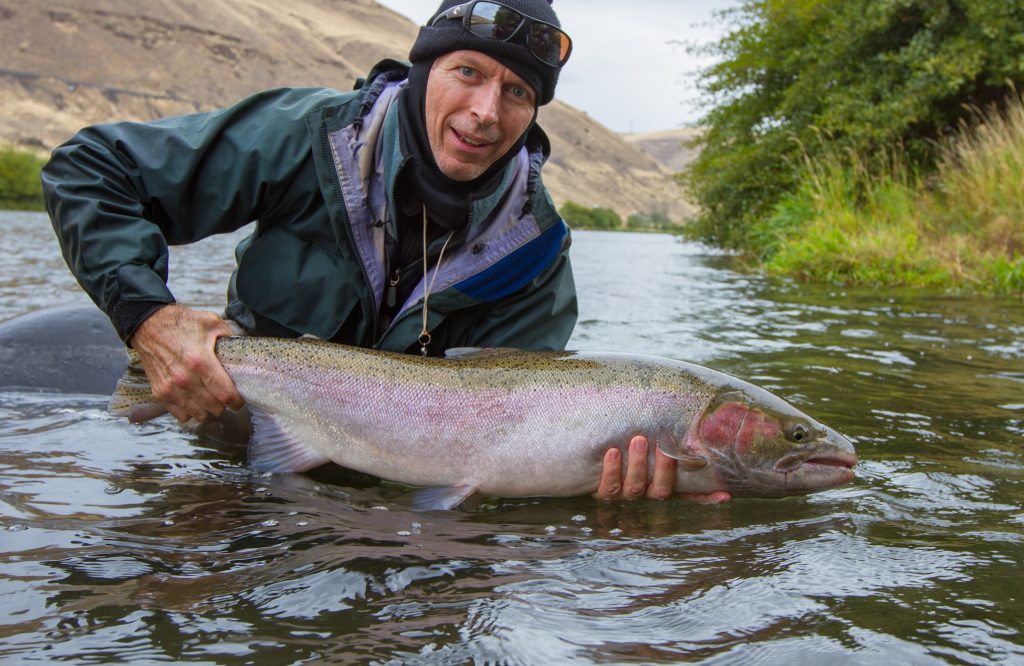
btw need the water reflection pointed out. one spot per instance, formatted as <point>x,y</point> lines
<point>144,543</point>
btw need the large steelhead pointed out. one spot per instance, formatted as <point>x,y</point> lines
<point>517,423</point>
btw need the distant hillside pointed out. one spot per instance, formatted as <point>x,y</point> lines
<point>70,63</point>
<point>670,147</point>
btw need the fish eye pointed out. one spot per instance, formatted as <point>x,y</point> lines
<point>799,433</point>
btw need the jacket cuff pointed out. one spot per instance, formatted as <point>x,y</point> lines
<point>127,316</point>
<point>141,291</point>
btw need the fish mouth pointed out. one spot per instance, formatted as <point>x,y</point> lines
<point>831,459</point>
<point>817,471</point>
<point>839,459</point>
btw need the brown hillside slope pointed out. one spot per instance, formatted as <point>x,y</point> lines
<point>670,147</point>
<point>70,63</point>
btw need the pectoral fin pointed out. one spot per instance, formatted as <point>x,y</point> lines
<point>442,498</point>
<point>688,460</point>
<point>274,448</point>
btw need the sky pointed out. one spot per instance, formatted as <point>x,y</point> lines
<point>625,46</point>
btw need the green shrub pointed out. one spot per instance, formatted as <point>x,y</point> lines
<point>20,187</point>
<point>581,217</point>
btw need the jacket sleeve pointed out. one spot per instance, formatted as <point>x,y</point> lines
<point>118,194</point>
<point>540,316</point>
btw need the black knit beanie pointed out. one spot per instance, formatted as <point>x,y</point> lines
<point>449,35</point>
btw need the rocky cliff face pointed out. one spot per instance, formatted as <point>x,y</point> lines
<point>70,63</point>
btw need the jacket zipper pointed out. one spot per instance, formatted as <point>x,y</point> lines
<point>336,183</point>
<point>392,293</point>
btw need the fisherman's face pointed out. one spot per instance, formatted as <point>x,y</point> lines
<point>476,109</point>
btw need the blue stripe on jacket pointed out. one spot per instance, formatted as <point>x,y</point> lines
<point>515,271</point>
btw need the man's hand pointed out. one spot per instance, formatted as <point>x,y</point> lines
<point>634,485</point>
<point>176,344</point>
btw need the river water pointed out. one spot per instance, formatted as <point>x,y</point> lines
<point>143,544</point>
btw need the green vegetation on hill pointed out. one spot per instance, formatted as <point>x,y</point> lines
<point>839,142</point>
<point>606,219</point>
<point>20,187</point>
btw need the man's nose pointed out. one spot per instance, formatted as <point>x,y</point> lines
<point>485,101</point>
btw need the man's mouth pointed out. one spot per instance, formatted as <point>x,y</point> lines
<point>471,141</point>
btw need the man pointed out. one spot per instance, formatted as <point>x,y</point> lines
<point>408,215</point>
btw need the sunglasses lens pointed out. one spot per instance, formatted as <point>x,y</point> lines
<point>549,43</point>
<point>494,21</point>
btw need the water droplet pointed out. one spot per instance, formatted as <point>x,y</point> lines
<point>17,527</point>
<point>112,489</point>
<point>261,489</point>
<point>379,508</point>
<point>302,523</point>
<point>404,533</point>
<point>615,531</point>
<point>586,530</point>
<point>168,522</point>
<point>269,523</point>
<point>550,529</point>
<point>293,513</point>
<point>579,518</point>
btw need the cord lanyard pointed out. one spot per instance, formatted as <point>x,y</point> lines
<point>424,338</point>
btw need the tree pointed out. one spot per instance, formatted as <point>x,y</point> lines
<point>796,77</point>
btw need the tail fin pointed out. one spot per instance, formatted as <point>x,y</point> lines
<point>133,396</point>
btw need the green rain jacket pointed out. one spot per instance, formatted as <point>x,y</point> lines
<point>315,169</point>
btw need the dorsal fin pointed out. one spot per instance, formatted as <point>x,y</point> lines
<point>479,352</point>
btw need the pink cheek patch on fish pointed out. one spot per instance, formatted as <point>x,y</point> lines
<point>757,427</point>
<point>719,428</point>
<point>736,426</point>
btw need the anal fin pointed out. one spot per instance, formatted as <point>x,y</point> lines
<point>441,498</point>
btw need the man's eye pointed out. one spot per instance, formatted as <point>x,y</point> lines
<point>518,91</point>
<point>468,71</point>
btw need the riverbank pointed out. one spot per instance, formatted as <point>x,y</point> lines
<point>878,222</point>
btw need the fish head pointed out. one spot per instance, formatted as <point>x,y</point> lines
<point>758,445</point>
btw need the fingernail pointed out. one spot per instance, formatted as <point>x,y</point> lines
<point>613,455</point>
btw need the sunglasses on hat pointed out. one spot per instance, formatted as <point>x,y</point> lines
<point>494,20</point>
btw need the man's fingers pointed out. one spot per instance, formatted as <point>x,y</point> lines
<point>635,484</point>
<point>664,481</point>
<point>611,475</point>
<point>178,350</point>
<point>221,389</point>
<point>217,380</point>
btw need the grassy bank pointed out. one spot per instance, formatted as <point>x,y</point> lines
<point>877,222</point>
<point>20,188</point>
